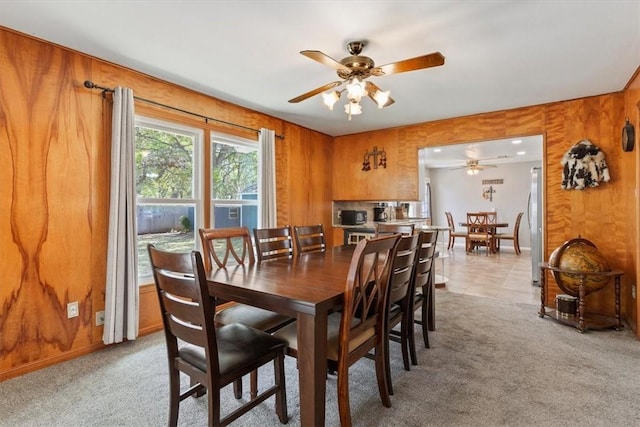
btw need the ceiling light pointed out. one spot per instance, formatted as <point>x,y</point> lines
<point>381,98</point>
<point>330,99</point>
<point>353,109</point>
<point>516,141</point>
<point>472,170</point>
<point>356,89</point>
<point>521,153</point>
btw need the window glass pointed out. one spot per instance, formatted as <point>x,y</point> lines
<point>167,183</point>
<point>234,182</point>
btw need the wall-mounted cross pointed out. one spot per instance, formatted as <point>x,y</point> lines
<point>488,193</point>
<point>366,164</point>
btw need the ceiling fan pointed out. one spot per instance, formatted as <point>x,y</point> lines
<point>473,166</point>
<point>355,69</point>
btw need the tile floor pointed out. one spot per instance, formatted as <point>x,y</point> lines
<point>504,276</point>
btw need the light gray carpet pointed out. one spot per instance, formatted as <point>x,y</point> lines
<point>490,363</point>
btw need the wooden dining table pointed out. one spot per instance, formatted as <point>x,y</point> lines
<point>308,288</point>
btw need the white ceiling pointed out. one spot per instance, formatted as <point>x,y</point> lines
<point>499,54</point>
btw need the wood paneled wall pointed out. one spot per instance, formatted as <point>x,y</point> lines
<point>54,191</point>
<point>606,215</point>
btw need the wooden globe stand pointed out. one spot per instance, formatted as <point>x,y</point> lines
<point>594,321</point>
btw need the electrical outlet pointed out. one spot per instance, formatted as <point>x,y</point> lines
<point>100,318</point>
<point>73,310</point>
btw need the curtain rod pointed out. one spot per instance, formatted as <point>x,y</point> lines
<point>90,85</point>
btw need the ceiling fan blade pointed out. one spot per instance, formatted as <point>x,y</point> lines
<point>371,92</point>
<point>418,63</point>
<point>322,58</point>
<point>315,92</point>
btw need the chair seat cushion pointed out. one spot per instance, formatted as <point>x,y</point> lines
<point>238,345</point>
<point>255,317</point>
<point>290,335</point>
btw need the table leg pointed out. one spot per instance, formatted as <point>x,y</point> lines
<point>617,289</point>
<point>312,367</point>
<point>542,292</point>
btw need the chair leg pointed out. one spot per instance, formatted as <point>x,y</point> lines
<point>425,323</point>
<point>381,375</point>
<point>343,395</point>
<point>253,380</point>
<point>237,388</point>
<point>174,397</point>
<point>452,241</point>
<point>281,395</point>
<point>214,407</point>
<point>516,246</point>
<point>412,340</point>
<point>404,341</point>
<point>387,362</point>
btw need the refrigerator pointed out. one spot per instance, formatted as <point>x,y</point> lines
<point>534,216</point>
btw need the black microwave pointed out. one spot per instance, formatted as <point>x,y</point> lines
<point>353,217</point>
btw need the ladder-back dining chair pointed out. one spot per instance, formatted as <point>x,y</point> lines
<point>360,326</point>
<point>211,357</point>
<point>423,284</point>
<point>511,236</point>
<point>272,243</point>
<point>383,228</point>
<point>452,230</point>
<point>309,238</point>
<point>479,232</point>
<point>230,247</point>
<point>399,307</point>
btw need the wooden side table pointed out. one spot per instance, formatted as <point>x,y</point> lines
<point>584,321</point>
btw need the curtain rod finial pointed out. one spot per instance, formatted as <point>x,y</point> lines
<point>89,84</point>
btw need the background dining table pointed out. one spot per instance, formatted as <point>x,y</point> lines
<point>307,287</point>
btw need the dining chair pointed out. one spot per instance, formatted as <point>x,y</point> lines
<point>309,238</point>
<point>360,326</point>
<point>399,306</point>
<point>513,236</point>
<point>212,357</point>
<point>478,232</point>
<point>423,285</point>
<point>383,228</point>
<point>452,230</point>
<point>273,243</point>
<point>224,247</point>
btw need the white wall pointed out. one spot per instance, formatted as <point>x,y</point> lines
<point>459,193</point>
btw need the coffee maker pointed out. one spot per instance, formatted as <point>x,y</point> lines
<point>380,213</point>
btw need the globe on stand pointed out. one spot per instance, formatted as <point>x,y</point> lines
<point>579,255</point>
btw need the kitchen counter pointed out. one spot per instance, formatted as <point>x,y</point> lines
<point>372,224</point>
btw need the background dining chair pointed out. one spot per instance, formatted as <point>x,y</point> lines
<point>360,326</point>
<point>273,243</point>
<point>232,246</point>
<point>423,285</point>
<point>309,238</point>
<point>212,357</point>
<point>399,307</point>
<point>384,228</point>
<point>514,236</point>
<point>452,230</point>
<point>478,232</point>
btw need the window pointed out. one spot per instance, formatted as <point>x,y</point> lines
<point>168,158</point>
<point>234,182</point>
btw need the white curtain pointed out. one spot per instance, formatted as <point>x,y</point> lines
<point>267,213</point>
<point>121,302</point>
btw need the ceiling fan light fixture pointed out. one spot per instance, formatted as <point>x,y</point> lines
<point>472,171</point>
<point>356,89</point>
<point>382,98</point>
<point>330,99</point>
